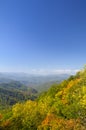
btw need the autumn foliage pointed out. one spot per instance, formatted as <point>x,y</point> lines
<point>62,107</point>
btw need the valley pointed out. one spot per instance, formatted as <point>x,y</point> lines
<point>61,107</point>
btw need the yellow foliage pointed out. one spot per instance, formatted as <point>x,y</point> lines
<point>66,90</point>
<point>54,123</point>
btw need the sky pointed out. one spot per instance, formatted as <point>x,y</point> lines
<point>42,35</point>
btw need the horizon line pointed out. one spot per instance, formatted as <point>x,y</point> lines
<point>45,71</point>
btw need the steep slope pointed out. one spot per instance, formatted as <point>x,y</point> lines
<point>62,107</point>
<point>13,92</point>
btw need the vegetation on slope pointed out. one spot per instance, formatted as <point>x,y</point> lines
<point>62,107</point>
<point>13,92</point>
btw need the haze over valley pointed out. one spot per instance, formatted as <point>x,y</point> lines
<point>42,65</point>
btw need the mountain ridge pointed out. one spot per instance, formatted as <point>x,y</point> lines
<point>62,107</point>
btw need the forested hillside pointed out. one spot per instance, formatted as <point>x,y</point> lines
<point>62,107</point>
<point>34,81</point>
<point>13,92</point>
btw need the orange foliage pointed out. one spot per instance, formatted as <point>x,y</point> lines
<point>6,123</point>
<point>55,123</point>
<point>1,116</point>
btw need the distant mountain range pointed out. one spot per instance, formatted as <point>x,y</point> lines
<point>32,80</point>
<point>17,87</point>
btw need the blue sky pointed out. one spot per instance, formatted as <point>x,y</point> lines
<point>42,35</point>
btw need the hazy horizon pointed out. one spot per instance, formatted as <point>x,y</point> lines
<point>45,72</point>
